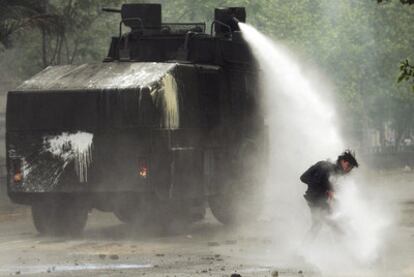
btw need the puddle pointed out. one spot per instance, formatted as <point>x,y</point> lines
<point>34,269</point>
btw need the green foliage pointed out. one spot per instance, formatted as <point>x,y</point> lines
<point>406,72</point>
<point>69,29</point>
<point>19,15</point>
<point>355,43</point>
<point>38,33</point>
<point>409,2</point>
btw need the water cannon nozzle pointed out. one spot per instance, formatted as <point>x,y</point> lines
<point>111,10</point>
<point>230,17</point>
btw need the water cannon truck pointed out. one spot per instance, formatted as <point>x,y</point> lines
<point>169,124</point>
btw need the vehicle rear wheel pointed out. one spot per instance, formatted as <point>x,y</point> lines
<point>239,190</point>
<point>136,209</point>
<point>147,211</point>
<point>235,207</point>
<point>61,216</point>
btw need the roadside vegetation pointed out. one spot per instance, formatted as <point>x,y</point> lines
<point>363,47</point>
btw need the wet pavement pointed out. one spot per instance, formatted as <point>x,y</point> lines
<point>206,248</point>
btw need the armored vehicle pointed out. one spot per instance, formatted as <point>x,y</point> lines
<point>167,125</point>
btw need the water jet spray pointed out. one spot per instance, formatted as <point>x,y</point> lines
<point>303,130</point>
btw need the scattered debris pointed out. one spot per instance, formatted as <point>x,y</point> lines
<point>114,257</point>
<point>213,243</point>
<point>230,242</point>
<point>208,258</point>
<point>267,241</point>
<point>407,168</point>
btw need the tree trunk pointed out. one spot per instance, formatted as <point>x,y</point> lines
<point>45,36</point>
<point>44,47</point>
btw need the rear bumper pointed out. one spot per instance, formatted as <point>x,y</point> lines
<point>175,160</point>
<point>77,161</point>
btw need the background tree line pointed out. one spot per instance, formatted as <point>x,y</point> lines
<point>358,45</point>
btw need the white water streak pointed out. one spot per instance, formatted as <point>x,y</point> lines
<point>293,100</point>
<point>303,130</point>
<point>172,119</point>
<point>69,147</point>
<point>168,101</point>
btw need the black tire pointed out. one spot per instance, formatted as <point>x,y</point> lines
<point>62,216</point>
<point>137,209</point>
<point>43,218</point>
<point>124,216</point>
<point>219,206</point>
<point>148,212</point>
<point>235,207</point>
<point>135,217</point>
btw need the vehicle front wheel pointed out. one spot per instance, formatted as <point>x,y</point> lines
<point>235,207</point>
<point>238,188</point>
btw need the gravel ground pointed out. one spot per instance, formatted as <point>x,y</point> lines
<point>206,248</point>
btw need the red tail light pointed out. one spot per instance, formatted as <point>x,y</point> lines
<point>17,170</point>
<point>143,168</point>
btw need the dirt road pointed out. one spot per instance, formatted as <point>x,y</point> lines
<point>207,248</point>
<point>110,248</point>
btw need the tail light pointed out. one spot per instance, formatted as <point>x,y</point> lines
<point>17,170</point>
<point>143,168</point>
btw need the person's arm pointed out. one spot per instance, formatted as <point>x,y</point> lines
<point>329,191</point>
<point>330,194</point>
<point>313,175</point>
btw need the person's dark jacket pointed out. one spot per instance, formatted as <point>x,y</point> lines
<point>317,178</point>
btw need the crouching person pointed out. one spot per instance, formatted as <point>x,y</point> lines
<point>320,192</point>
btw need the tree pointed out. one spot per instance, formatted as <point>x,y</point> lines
<point>65,26</point>
<point>407,72</point>
<point>406,69</point>
<point>409,2</point>
<point>75,31</point>
<point>35,34</point>
<point>20,15</point>
<point>355,43</point>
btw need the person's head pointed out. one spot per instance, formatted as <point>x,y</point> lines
<point>347,161</point>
